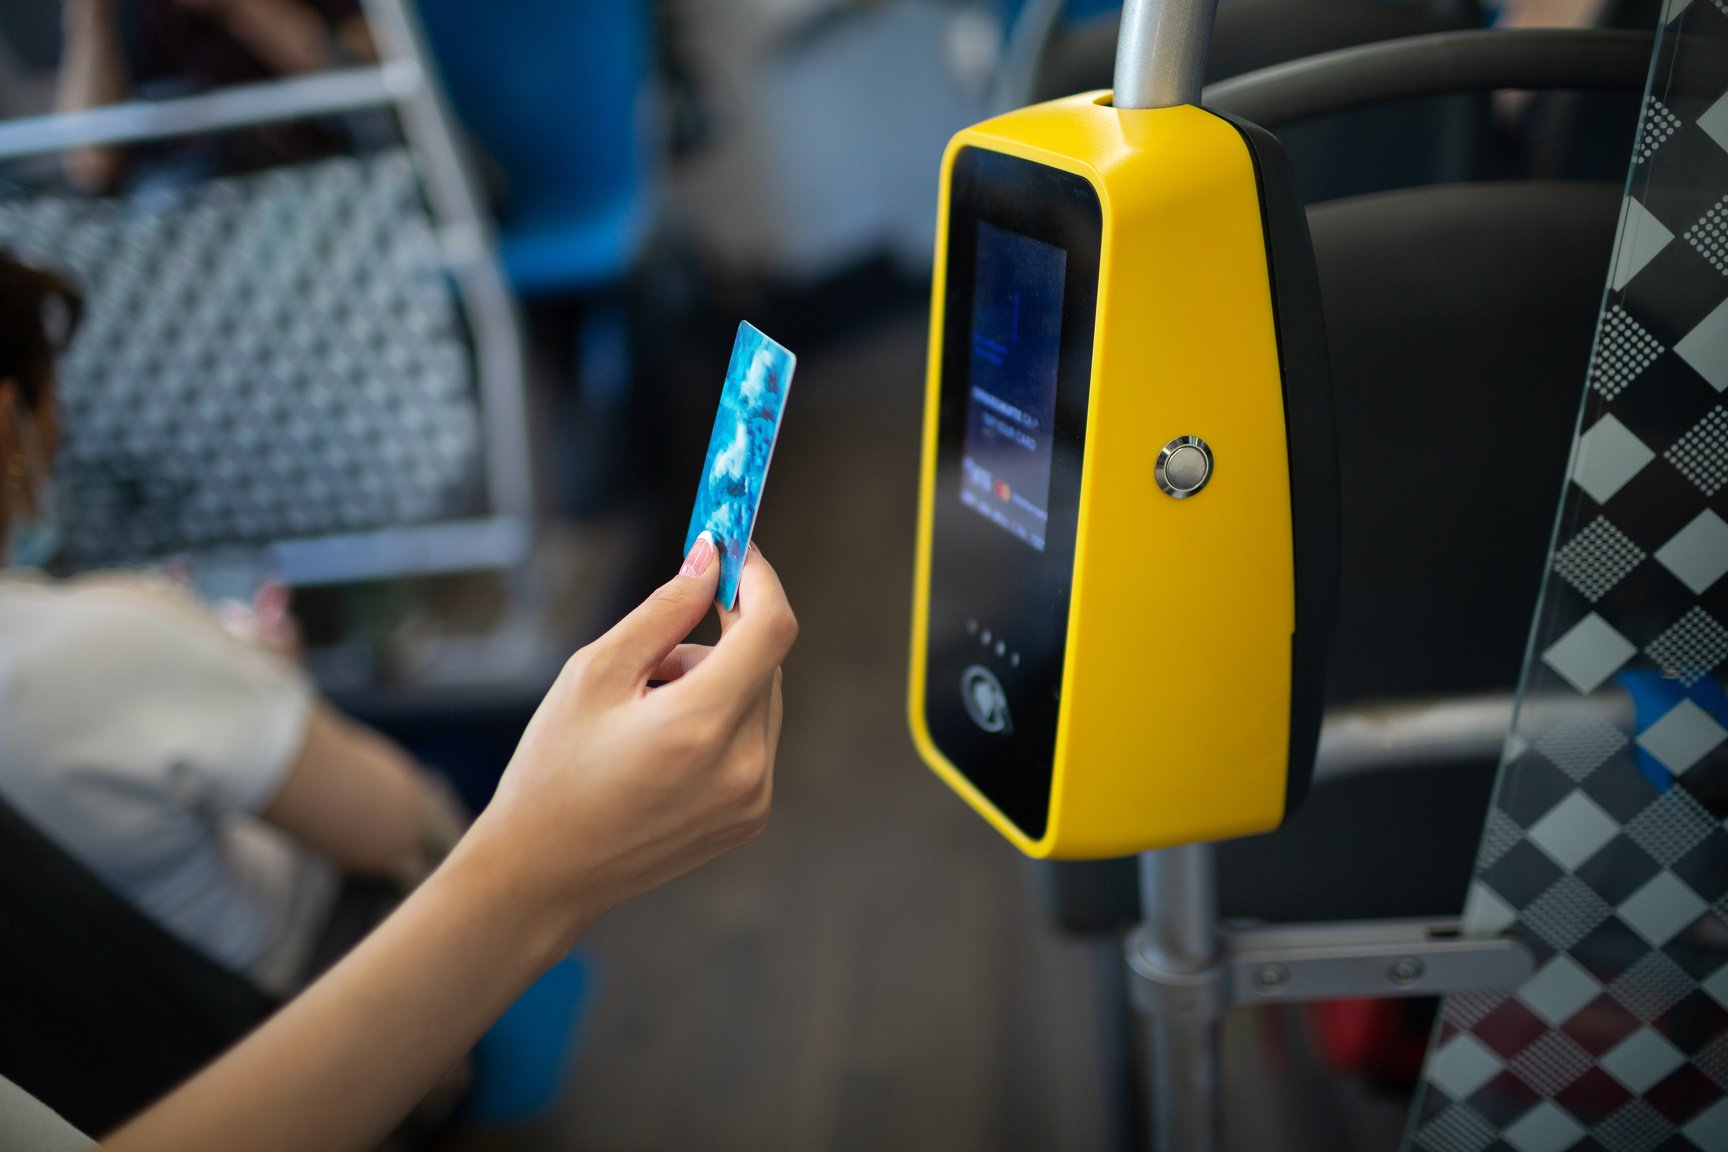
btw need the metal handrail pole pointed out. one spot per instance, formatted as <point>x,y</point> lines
<point>453,191</point>
<point>1412,732</point>
<point>1179,909</point>
<point>1161,52</point>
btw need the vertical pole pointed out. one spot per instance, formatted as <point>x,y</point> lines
<point>452,190</point>
<point>1161,55</point>
<point>1179,910</point>
<point>1161,52</point>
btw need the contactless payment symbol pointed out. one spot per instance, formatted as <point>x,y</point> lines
<point>986,702</point>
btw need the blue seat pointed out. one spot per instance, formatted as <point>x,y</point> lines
<point>556,93</point>
<point>1073,11</point>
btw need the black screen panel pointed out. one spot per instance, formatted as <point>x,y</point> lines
<point>1024,244</point>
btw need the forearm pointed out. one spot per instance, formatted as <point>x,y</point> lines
<point>93,66</point>
<point>290,38</point>
<point>338,1066</point>
<point>93,73</point>
<point>352,796</point>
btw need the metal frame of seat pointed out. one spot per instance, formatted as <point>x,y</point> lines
<point>401,82</point>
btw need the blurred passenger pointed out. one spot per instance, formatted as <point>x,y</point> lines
<point>116,50</point>
<point>197,773</point>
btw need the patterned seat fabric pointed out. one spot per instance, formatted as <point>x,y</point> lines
<point>264,357</point>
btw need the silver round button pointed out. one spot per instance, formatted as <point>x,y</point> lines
<point>1184,466</point>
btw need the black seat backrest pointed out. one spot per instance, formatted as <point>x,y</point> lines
<point>101,1009</point>
<point>1460,321</point>
<point>1433,140</point>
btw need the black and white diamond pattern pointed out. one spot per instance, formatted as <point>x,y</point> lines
<point>1658,125</point>
<point>1673,825</point>
<point>1691,649</point>
<point>1467,1008</point>
<point>1624,350</point>
<point>1552,1063</point>
<point>1577,746</point>
<point>1713,1062</point>
<point>1710,235</point>
<point>1636,1127</point>
<point>1605,847</point>
<point>1500,837</point>
<point>1457,1129</point>
<point>1566,913</point>
<point>1652,986</point>
<point>263,356</point>
<point>1597,558</point>
<point>1702,454</point>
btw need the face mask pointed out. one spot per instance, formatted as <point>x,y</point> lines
<point>36,535</point>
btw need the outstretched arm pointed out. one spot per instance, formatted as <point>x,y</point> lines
<point>614,790</point>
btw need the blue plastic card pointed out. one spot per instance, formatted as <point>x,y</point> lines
<point>745,429</point>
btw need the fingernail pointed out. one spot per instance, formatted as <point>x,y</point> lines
<point>272,601</point>
<point>701,555</point>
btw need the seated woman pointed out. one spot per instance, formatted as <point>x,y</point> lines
<point>117,50</point>
<point>200,775</point>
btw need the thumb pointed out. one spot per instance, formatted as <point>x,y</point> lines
<point>638,644</point>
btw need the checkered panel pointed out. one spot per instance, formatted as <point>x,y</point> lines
<point>1622,354</point>
<point>1606,847</point>
<point>1659,125</point>
<point>1597,558</point>
<point>264,356</point>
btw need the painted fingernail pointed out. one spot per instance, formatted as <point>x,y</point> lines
<point>701,555</point>
<point>272,601</point>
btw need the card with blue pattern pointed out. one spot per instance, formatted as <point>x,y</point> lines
<point>742,444</point>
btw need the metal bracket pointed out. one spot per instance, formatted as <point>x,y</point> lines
<point>1293,963</point>
<point>1173,994</point>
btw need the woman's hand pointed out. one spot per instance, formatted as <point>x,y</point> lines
<point>618,787</point>
<point>267,622</point>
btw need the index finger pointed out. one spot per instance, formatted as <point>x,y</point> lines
<point>754,638</point>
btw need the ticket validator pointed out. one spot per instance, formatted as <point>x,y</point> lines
<point>1127,539</point>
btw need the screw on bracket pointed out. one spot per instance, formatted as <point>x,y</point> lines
<point>1270,977</point>
<point>1405,971</point>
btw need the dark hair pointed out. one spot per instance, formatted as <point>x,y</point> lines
<point>39,311</point>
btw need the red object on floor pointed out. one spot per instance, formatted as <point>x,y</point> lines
<point>1384,1039</point>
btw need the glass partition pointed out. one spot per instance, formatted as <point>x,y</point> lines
<point>1605,846</point>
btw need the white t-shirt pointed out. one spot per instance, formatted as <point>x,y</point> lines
<point>28,1125</point>
<point>144,739</point>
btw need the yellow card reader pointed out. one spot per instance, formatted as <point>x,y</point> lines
<point>1127,536</point>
